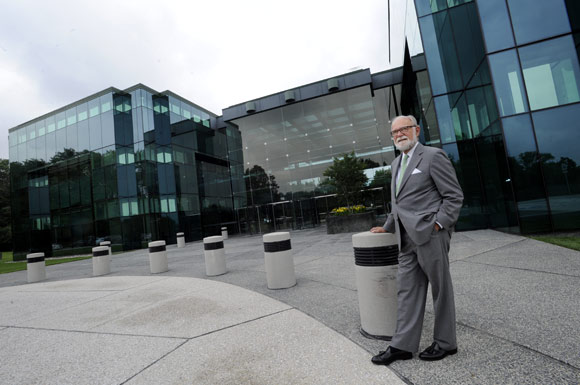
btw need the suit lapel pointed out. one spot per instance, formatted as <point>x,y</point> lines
<point>413,163</point>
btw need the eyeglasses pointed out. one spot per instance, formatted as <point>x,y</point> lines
<point>400,130</point>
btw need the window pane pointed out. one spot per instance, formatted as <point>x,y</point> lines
<point>71,116</point>
<point>535,20</point>
<point>453,117</point>
<point>440,53</point>
<point>551,73</point>
<point>525,173</point>
<point>495,23</point>
<point>561,162</point>
<point>509,87</point>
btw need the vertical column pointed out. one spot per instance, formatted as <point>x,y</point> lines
<point>215,255</point>
<point>158,257</point>
<point>279,261</point>
<point>101,260</point>
<point>36,267</point>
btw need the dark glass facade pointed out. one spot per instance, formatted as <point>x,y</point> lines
<point>505,81</point>
<point>126,166</point>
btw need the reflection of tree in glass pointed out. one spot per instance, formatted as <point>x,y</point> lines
<point>382,178</point>
<point>347,176</point>
<point>261,186</point>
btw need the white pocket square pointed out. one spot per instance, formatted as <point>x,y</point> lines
<point>416,171</point>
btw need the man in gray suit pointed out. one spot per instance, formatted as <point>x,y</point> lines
<point>426,200</point>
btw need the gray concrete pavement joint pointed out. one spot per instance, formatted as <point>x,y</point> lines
<point>518,345</point>
<point>95,333</point>
<point>155,361</point>
<point>487,251</point>
<point>520,268</point>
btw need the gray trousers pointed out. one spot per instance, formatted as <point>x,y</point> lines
<point>419,266</point>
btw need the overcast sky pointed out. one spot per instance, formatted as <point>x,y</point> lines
<point>215,53</point>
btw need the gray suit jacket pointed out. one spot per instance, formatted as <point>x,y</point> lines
<point>431,194</point>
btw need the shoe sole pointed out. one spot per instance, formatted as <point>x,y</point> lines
<point>449,353</point>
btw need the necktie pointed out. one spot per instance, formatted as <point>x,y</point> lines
<point>402,172</point>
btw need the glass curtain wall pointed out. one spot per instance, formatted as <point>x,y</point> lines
<point>118,166</point>
<point>286,151</point>
<point>466,112</point>
<point>533,58</point>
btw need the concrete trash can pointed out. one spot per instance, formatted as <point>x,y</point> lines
<point>279,261</point>
<point>35,267</point>
<point>157,257</point>
<point>101,260</point>
<point>215,255</point>
<point>108,244</point>
<point>225,233</point>
<point>376,265</point>
<point>180,240</point>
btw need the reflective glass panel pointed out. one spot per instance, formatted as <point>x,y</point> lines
<point>495,23</point>
<point>526,177</point>
<point>551,72</point>
<point>558,136</point>
<point>535,20</point>
<point>438,41</point>
<point>453,117</point>
<point>509,86</point>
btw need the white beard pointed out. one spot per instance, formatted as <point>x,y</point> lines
<point>407,144</point>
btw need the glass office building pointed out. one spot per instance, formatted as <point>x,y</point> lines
<point>127,166</point>
<point>494,83</point>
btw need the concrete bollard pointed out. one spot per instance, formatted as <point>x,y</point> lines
<point>108,244</point>
<point>157,257</point>
<point>215,256</point>
<point>180,240</point>
<point>101,260</point>
<point>35,267</point>
<point>376,260</point>
<point>225,233</point>
<point>279,261</point>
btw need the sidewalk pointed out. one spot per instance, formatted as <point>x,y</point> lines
<point>516,302</point>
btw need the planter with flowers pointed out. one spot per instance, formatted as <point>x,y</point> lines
<point>350,220</point>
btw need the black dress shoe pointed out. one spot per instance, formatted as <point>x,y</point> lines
<point>390,355</point>
<point>434,353</point>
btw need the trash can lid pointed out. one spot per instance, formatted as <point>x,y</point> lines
<point>214,239</point>
<point>368,239</point>
<point>34,255</point>
<point>180,234</point>
<point>156,243</point>
<point>105,243</point>
<point>276,237</point>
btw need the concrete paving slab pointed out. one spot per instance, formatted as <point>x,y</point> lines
<point>485,359</point>
<point>112,284</point>
<point>84,317</point>
<point>334,270</point>
<point>20,307</point>
<point>463,250</point>
<point>285,348</point>
<point>195,313</point>
<point>32,356</point>
<point>488,235</point>
<point>534,255</point>
<point>534,309</point>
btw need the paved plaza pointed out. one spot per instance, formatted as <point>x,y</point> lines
<point>516,299</point>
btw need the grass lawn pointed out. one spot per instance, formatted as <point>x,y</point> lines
<point>569,242</point>
<point>10,267</point>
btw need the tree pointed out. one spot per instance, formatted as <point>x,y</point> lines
<point>346,175</point>
<point>5,225</point>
